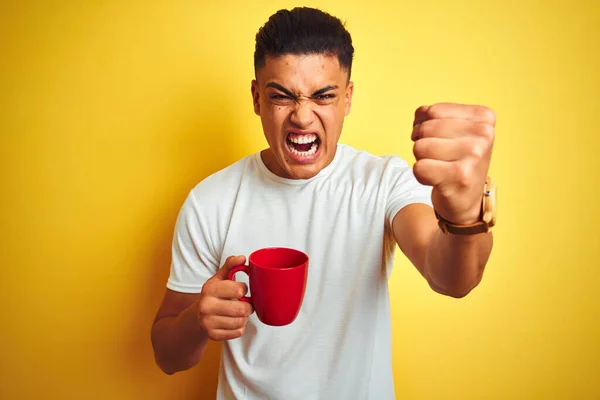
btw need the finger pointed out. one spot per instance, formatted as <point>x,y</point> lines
<point>226,308</point>
<point>230,262</point>
<point>226,323</point>
<point>433,172</point>
<point>224,334</point>
<point>225,289</point>
<point>452,110</point>
<point>450,128</point>
<point>449,149</point>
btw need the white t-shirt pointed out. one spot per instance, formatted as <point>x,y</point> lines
<point>339,346</point>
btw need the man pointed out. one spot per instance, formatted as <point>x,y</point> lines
<point>345,208</point>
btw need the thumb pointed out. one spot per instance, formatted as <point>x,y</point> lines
<point>230,262</point>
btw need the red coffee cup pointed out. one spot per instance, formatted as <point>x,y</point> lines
<point>277,282</point>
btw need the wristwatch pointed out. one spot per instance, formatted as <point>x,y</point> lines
<point>487,219</point>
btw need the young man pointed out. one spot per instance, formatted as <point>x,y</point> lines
<point>345,208</point>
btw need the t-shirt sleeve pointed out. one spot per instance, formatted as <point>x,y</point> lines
<point>404,189</point>
<point>194,260</point>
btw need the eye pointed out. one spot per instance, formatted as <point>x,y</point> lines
<point>280,97</point>
<point>326,96</point>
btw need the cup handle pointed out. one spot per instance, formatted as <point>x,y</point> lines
<point>246,270</point>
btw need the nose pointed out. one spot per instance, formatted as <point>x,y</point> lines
<point>302,115</point>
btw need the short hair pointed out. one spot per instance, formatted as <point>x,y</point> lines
<point>304,31</point>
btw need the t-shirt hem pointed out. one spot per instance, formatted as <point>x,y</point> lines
<point>397,207</point>
<point>178,287</point>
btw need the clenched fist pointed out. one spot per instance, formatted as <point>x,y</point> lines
<point>453,148</point>
<point>220,314</point>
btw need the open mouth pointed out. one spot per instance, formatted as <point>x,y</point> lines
<point>303,145</point>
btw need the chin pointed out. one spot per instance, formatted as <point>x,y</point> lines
<point>303,155</point>
<point>303,172</point>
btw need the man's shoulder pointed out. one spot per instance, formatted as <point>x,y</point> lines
<point>222,182</point>
<point>365,161</point>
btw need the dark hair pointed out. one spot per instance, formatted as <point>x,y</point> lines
<point>304,30</point>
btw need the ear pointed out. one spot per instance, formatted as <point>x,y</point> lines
<point>255,97</point>
<point>348,99</point>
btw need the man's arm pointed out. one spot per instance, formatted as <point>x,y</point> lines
<point>178,341</point>
<point>452,265</point>
<point>453,149</point>
<point>185,322</point>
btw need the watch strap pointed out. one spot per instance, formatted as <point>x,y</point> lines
<point>471,229</point>
<point>486,218</point>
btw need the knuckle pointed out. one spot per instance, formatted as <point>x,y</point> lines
<point>422,148</point>
<point>490,115</point>
<point>205,304</point>
<point>427,128</point>
<point>206,324</point>
<point>209,286</point>
<point>417,129</point>
<point>240,310</point>
<point>463,174</point>
<point>487,114</point>
<point>435,111</point>
<point>202,323</point>
<point>241,290</point>
<point>421,109</point>
<point>477,150</point>
<point>417,148</point>
<point>420,172</point>
<point>486,130</point>
<point>418,168</point>
<point>240,322</point>
<point>204,307</point>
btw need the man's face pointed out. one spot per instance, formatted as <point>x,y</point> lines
<point>302,101</point>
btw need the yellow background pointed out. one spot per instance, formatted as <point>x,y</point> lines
<point>110,112</point>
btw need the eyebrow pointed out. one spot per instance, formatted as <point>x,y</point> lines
<point>289,93</point>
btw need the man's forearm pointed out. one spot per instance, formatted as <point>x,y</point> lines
<point>455,263</point>
<point>178,342</point>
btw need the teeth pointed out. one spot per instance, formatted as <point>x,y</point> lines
<point>310,152</point>
<point>302,139</point>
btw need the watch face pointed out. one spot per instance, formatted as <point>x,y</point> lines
<point>494,206</point>
<point>490,196</point>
